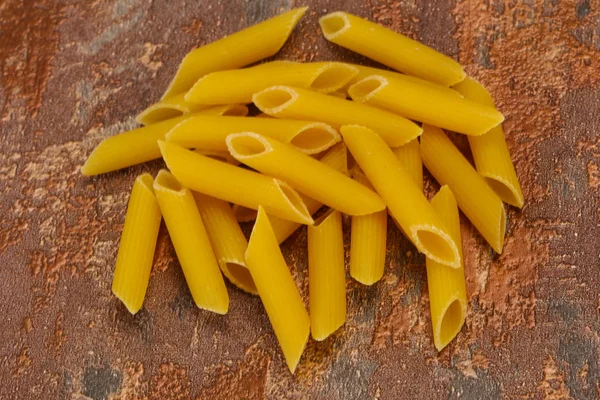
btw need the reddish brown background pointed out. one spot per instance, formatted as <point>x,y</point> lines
<point>74,72</point>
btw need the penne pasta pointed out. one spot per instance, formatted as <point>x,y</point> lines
<point>191,244</point>
<point>238,86</point>
<point>490,152</point>
<point>390,48</point>
<point>168,108</point>
<point>303,173</point>
<point>222,156</point>
<point>474,196</point>
<point>406,202</point>
<point>326,275</point>
<point>227,240</point>
<point>234,51</point>
<point>136,248</point>
<point>432,107</point>
<point>209,132</point>
<point>244,214</point>
<point>447,287</point>
<point>234,184</point>
<point>409,156</point>
<point>289,102</point>
<point>227,110</point>
<point>277,291</point>
<point>367,241</point>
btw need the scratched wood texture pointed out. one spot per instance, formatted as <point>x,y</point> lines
<point>75,72</point>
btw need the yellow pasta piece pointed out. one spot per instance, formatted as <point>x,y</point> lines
<point>490,151</point>
<point>227,110</point>
<point>390,48</point>
<point>303,173</point>
<point>475,198</point>
<point>244,214</point>
<point>209,132</point>
<point>227,239</point>
<point>368,241</point>
<point>191,243</point>
<point>222,156</point>
<point>277,291</point>
<point>236,185</point>
<point>295,103</point>
<point>326,275</point>
<point>432,106</point>
<point>403,197</point>
<point>236,50</point>
<point>138,241</point>
<point>238,86</point>
<point>168,108</point>
<point>339,95</point>
<point>447,288</point>
<point>409,156</point>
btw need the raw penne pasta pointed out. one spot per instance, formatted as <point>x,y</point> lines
<point>138,241</point>
<point>403,197</point>
<point>295,103</point>
<point>168,108</point>
<point>234,51</point>
<point>368,241</point>
<point>277,291</point>
<point>223,156</point>
<point>432,107</point>
<point>390,48</point>
<point>227,110</point>
<point>244,214</point>
<point>238,86</point>
<point>191,244</point>
<point>474,196</point>
<point>305,174</point>
<point>490,151</point>
<point>326,275</point>
<point>337,158</point>
<point>446,286</point>
<point>209,133</point>
<point>227,239</point>
<point>234,184</point>
<point>339,95</point>
<point>409,156</point>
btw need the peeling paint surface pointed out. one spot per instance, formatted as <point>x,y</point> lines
<point>75,72</point>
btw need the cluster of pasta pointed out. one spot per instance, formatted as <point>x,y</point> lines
<point>294,160</point>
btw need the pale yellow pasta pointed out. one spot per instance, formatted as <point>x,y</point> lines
<point>277,290</point>
<point>244,214</point>
<point>403,197</point>
<point>238,86</point>
<point>209,132</point>
<point>138,241</point>
<point>430,106</point>
<point>307,175</point>
<point>168,108</point>
<point>390,48</point>
<point>191,244</point>
<point>227,239</point>
<point>409,156</point>
<point>295,103</point>
<point>326,275</point>
<point>222,156</point>
<point>447,288</point>
<point>474,196</point>
<point>490,151</point>
<point>234,184</point>
<point>234,51</point>
<point>368,241</point>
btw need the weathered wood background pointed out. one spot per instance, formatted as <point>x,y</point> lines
<point>75,72</point>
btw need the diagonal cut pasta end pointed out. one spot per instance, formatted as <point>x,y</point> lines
<point>333,76</point>
<point>245,145</point>
<point>504,188</point>
<point>315,138</point>
<point>295,202</point>
<point>363,90</point>
<point>275,99</point>
<point>158,112</point>
<point>229,110</point>
<point>166,182</point>
<point>450,323</point>
<point>334,24</point>
<point>238,274</point>
<point>499,244</point>
<point>94,163</point>
<point>436,244</point>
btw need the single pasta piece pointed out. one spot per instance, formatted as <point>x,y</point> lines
<point>209,132</point>
<point>294,103</point>
<point>168,108</point>
<point>191,243</point>
<point>277,290</point>
<point>138,241</point>
<point>490,151</point>
<point>390,48</point>
<point>305,174</point>
<point>475,197</point>
<point>238,85</point>
<point>430,106</point>
<point>234,184</point>
<point>326,275</point>
<point>244,214</point>
<point>234,51</point>
<point>368,241</point>
<point>409,156</point>
<point>447,288</point>
<point>227,239</point>
<point>222,156</point>
<point>337,158</point>
<point>403,197</point>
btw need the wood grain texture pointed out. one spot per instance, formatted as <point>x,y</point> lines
<point>76,72</point>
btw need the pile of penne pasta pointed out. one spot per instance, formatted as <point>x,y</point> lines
<point>279,168</point>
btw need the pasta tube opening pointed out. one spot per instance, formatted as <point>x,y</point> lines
<point>159,112</point>
<point>435,244</point>
<point>451,323</point>
<point>243,214</point>
<point>231,110</point>
<point>363,90</point>
<point>315,138</point>
<point>274,99</point>
<point>166,180</point>
<point>239,275</point>
<point>332,77</point>
<point>247,144</point>
<point>506,190</point>
<point>334,24</point>
<point>295,201</point>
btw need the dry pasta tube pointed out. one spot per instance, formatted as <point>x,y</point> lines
<point>168,108</point>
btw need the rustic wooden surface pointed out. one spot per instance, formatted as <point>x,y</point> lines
<point>74,72</point>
